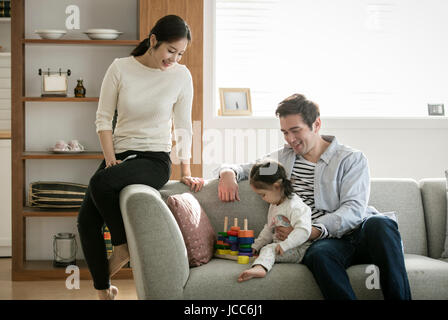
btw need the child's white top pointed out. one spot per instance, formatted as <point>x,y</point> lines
<point>147,101</point>
<point>299,215</point>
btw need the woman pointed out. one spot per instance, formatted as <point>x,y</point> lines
<point>150,91</point>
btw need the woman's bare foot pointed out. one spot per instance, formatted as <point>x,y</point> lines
<point>108,294</point>
<point>256,271</point>
<point>119,257</point>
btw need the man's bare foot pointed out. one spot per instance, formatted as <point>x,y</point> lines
<point>108,294</point>
<point>119,257</point>
<point>256,271</point>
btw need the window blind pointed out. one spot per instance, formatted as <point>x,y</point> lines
<point>353,57</point>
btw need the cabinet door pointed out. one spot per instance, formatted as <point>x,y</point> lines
<point>192,12</point>
<point>5,198</point>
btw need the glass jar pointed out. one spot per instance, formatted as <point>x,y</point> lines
<point>64,249</point>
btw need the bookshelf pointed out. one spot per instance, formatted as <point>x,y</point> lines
<point>149,12</point>
<point>23,269</point>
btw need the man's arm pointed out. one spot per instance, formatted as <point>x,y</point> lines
<point>230,174</point>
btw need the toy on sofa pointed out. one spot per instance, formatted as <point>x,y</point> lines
<point>235,244</point>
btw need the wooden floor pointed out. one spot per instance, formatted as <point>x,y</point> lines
<point>54,290</point>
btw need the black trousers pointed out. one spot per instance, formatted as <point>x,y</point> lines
<point>101,205</point>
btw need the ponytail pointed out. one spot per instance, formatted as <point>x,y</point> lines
<point>287,188</point>
<point>141,48</point>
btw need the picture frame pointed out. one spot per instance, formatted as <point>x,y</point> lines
<point>235,102</point>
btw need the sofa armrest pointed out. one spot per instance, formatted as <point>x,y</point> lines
<point>158,254</point>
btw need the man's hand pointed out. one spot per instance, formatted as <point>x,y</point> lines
<point>228,187</point>
<point>315,233</point>
<point>278,250</point>
<point>282,232</point>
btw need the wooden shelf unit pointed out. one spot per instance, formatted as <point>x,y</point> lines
<point>23,269</point>
<point>60,99</point>
<point>83,42</point>
<point>150,12</point>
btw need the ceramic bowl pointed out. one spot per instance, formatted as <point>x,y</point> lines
<point>50,33</point>
<point>103,34</point>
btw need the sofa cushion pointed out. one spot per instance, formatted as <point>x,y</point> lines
<point>195,226</point>
<point>428,278</point>
<point>445,252</point>
<point>433,192</point>
<point>402,196</point>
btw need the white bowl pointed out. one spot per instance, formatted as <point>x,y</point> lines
<point>103,36</point>
<point>102,31</point>
<point>50,33</point>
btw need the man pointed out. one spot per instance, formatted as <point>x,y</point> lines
<point>334,181</point>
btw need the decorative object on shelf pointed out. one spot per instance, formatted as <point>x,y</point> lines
<point>63,147</point>
<point>54,83</point>
<point>50,34</point>
<point>80,91</point>
<point>5,9</point>
<point>64,249</point>
<point>103,34</point>
<point>56,195</point>
<point>235,102</point>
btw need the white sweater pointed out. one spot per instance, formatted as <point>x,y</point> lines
<point>299,215</point>
<point>147,101</point>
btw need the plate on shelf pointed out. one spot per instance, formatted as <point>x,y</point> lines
<point>66,151</point>
<point>103,34</point>
<point>50,34</point>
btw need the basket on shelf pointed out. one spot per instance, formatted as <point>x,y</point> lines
<point>58,195</point>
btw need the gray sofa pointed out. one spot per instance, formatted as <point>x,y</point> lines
<point>160,265</point>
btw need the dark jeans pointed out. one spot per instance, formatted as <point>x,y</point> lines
<point>376,241</point>
<point>101,205</point>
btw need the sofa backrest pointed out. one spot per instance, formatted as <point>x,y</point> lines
<point>251,206</point>
<point>400,195</point>
<point>434,202</point>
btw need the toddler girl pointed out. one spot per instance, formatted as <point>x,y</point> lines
<point>268,179</point>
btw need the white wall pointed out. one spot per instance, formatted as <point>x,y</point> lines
<point>396,147</point>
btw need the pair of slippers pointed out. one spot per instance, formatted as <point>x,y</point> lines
<point>73,145</point>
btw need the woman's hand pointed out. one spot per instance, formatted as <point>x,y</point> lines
<point>113,162</point>
<point>194,183</point>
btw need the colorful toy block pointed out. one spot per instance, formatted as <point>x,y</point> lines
<point>235,244</point>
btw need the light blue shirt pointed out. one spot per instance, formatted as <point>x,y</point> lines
<point>341,184</point>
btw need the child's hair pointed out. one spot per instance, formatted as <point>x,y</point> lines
<point>267,172</point>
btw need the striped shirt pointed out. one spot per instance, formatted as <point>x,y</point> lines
<point>302,179</point>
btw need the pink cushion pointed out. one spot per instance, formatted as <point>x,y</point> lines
<point>195,226</point>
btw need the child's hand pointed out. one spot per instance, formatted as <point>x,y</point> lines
<point>279,250</point>
<point>254,252</point>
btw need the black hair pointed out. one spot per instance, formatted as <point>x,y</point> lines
<point>298,104</point>
<point>267,172</point>
<point>167,29</point>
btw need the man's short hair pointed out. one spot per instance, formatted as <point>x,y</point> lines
<point>298,104</point>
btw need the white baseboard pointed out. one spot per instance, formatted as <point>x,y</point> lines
<point>5,247</point>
